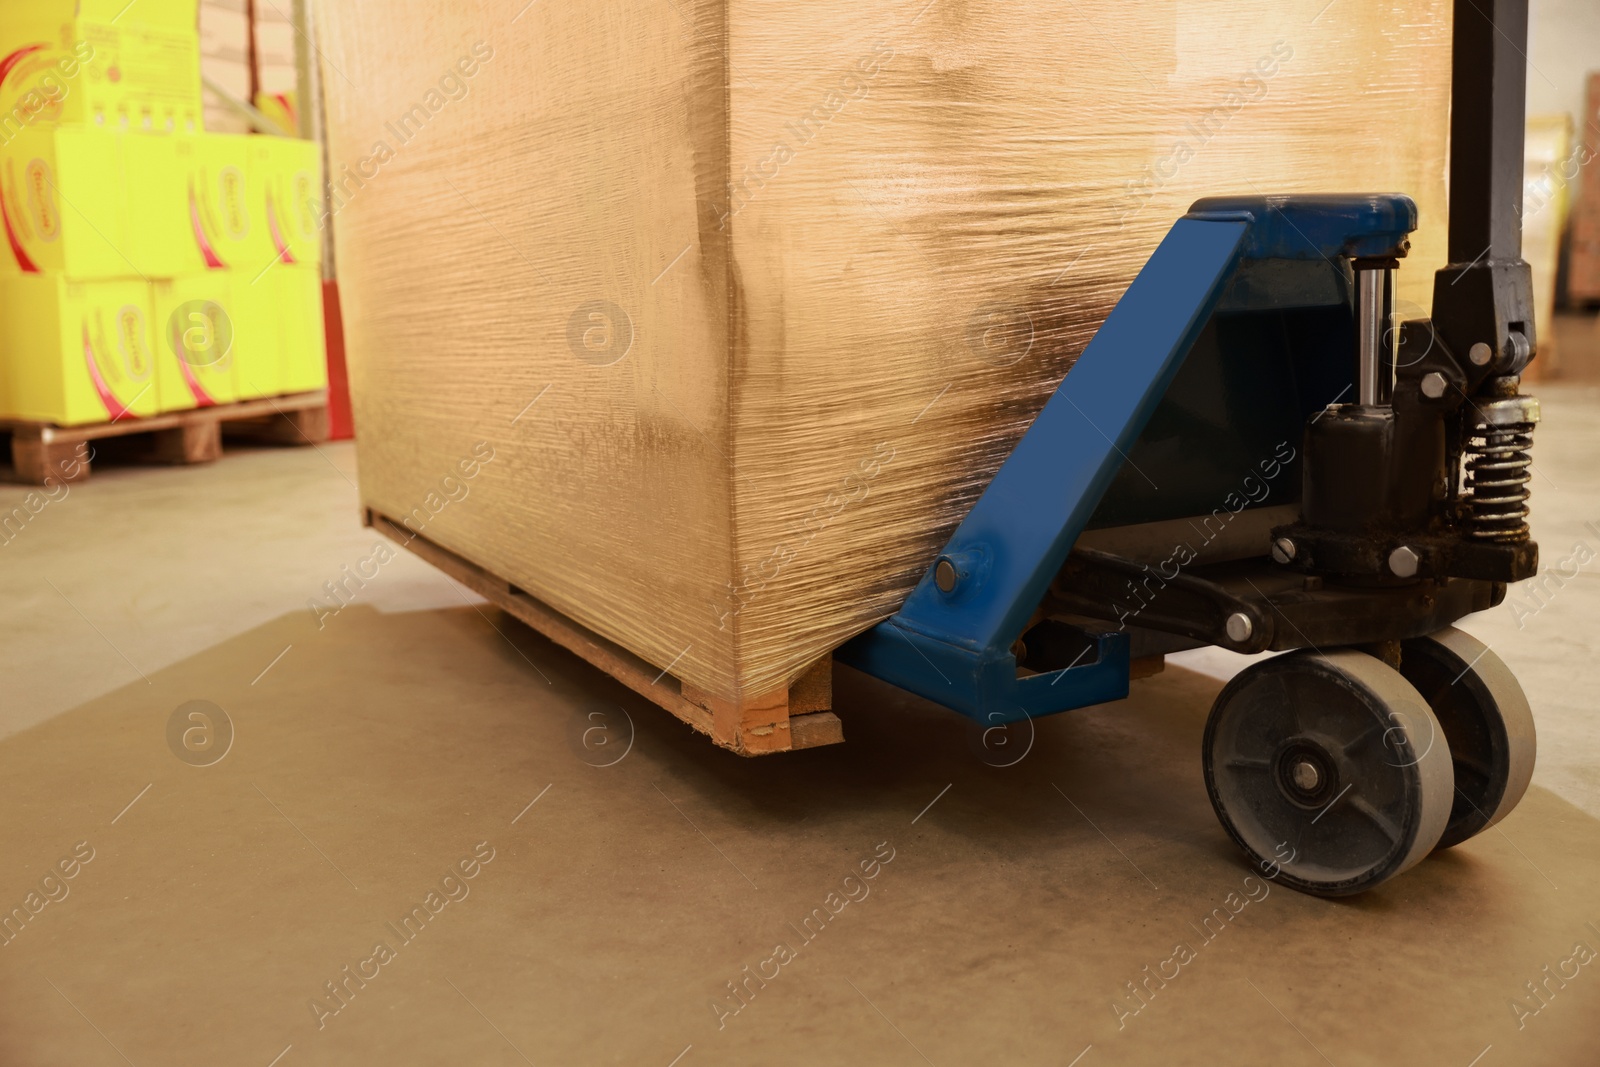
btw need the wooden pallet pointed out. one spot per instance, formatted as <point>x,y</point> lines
<point>41,451</point>
<point>793,718</point>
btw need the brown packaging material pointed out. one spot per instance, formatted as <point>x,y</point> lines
<point>783,283</point>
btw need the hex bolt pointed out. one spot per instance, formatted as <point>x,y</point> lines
<point>1480,354</point>
<point>1240,627</point>
<point>1283,550</point>
<point>1433,385</point>
<point>944,576</point>
<point>1403,562</point>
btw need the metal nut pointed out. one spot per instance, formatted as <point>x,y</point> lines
<point>1283,550</point>
<point>1240,627</point>
<point>1507,410</point>
<point>1403,562</point>
<point>1434,385</point>
<point>1480,354</point>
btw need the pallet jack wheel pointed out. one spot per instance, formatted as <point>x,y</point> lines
<point>1486,720</point>
<point>1329,769</point>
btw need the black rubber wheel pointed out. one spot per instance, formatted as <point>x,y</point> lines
<point>1328,769</point>
<point>1486,719</point>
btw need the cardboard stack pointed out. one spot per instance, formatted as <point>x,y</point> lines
<point>225,59</point>
<point>276,73</point>
<point>149,266</point>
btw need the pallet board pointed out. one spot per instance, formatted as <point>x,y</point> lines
<point>793,718</point>
<point>42,451</point>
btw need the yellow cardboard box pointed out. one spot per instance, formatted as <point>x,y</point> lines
<point>280,108</point>
<point>62,204</point>
<point>305,340</point>
<point>195,340</point>
<point>278,332</point>
<point>169,14</point>
<point>192,206</point>
<point>60,69</point>
<point>77,352</point>
<point>99,204</point>
<point>258,331</point>
<point>286,174</point>
<point>37,78</point>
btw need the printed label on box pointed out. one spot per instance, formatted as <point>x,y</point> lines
<point>119,379</point>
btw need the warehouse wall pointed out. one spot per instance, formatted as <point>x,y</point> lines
<point>1563,47</point>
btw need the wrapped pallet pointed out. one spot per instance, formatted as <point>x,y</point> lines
<point>748,301</point>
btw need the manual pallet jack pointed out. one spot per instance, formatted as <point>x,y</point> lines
<point>1259,332</point>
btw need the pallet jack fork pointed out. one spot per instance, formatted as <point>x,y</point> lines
<point>1260,338</point>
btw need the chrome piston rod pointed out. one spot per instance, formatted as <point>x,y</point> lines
<point>1375,355</point>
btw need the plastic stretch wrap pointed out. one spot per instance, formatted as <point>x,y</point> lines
<point>783,282</point>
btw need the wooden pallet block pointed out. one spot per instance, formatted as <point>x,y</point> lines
<point>797,717</point>
<point>42,451</point>
<point>286,426</point>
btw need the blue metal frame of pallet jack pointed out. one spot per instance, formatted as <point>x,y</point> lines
<point>955,647</point>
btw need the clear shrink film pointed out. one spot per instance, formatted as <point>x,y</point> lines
<point>750,300</point>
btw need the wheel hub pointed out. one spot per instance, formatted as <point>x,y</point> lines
<point>1307,774</point>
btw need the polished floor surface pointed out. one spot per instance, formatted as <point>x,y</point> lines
<point>431,837</point>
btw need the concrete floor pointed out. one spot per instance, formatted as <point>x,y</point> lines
<point>610,907</point>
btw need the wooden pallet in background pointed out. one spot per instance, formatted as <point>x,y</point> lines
<point>794,718</point>
<point>41,450</point>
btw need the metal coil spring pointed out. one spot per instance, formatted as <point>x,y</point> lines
<point>1497,481</point>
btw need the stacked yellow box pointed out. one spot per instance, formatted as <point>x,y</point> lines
<point>105,63</point>
<point>148,266</point>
